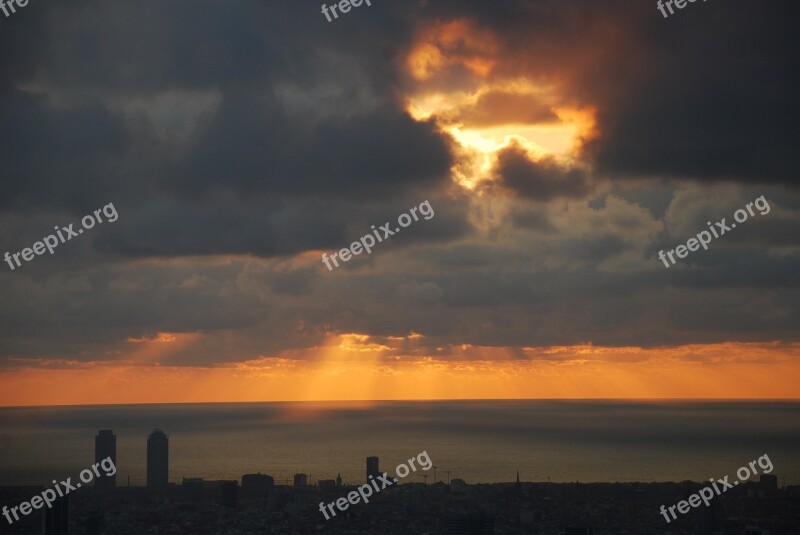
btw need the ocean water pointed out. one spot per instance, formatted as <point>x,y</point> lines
<point>478,441</point>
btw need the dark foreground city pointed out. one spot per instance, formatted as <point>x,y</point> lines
<point>200,507</point>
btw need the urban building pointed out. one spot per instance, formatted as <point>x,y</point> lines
<point>372,467</point>
<point>157,460</point>
<point>95,523</point>
<point>768,481</point>
<point>229,494</point>
<point>256,485</point>
<point>300,480</point>
<point>105,445</point>
<point>55,519</point>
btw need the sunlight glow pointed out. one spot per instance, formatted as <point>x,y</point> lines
<point>341,370</point>
<point>480,145</point>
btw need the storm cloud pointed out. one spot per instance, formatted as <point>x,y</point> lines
<point>240,141</point>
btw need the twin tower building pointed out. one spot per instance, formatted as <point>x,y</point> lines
<point>105,445</point>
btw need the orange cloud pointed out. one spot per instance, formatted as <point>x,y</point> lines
<point>355,367</point>
<point>460,77</point>
<point>450,44</point>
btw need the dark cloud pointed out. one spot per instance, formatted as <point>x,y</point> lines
<point>708,94</point>
<point>254,150</point>
<point>81,142</point>
<point>718,100</point>
<point>235,139</point>
<point>226,224</point>
<point>263,138</point>
<point>542,180</point>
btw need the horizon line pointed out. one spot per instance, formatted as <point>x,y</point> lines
<point>415,400</point>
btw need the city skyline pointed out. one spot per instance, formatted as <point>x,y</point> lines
<point>235,465</point>
<point>157,477</point>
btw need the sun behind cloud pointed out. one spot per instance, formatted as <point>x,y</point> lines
<point>451,65</point>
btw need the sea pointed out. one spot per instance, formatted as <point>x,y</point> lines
<point>485,441</point>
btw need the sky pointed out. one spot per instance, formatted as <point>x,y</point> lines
<point>560,145</point>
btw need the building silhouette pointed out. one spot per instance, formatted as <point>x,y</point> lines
<point>256,485</point>
<point>157,460</point>
<point>768,481</point>
<point>339,480</point>
<point>95,523</point>
<point>193,487</point>
<point>55,520</point>
<point>105,445</point>
<point>300,480</point>
<point>229,493</point>
<point>372,467</point>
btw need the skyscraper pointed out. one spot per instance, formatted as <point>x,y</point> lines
<point>372,467</point>
<point>300,480</point>
<point>105,445</point>
<point>157,460</point>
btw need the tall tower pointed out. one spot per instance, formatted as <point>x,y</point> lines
<point>372,467</point>
<point>105,445</point>
<point>157,460</point>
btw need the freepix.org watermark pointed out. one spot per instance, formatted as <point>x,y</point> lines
<point>718,229</point>
<point>381,482</point>
<point>367,242</point>
<point>5,5</point>
<point>344,6</point>
<point>50,242</point>
<point>680,4</point>
<point>707,493</point>
<point>59,490</point>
